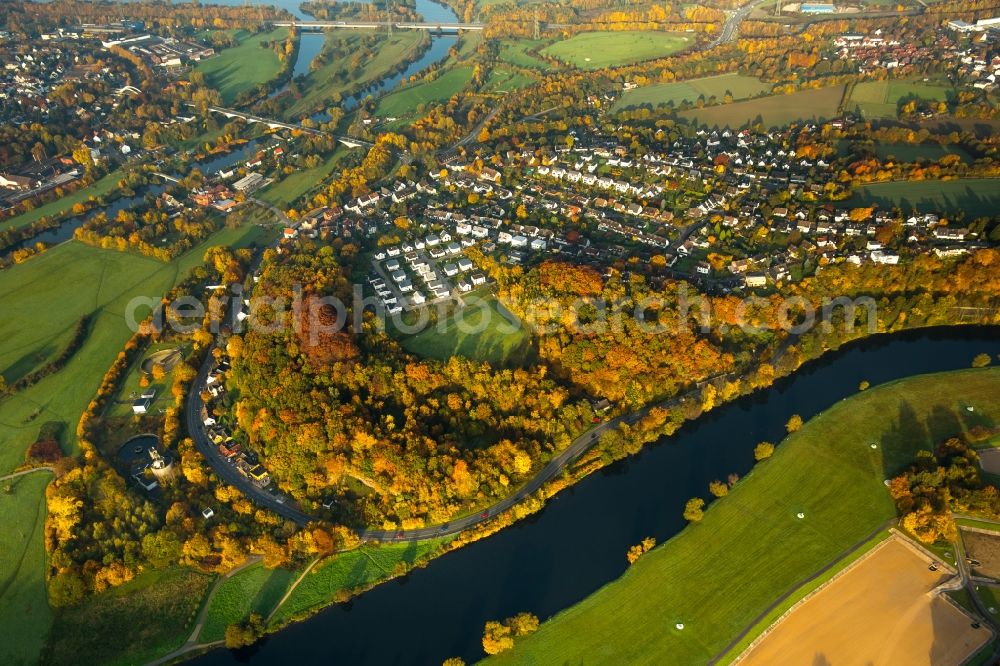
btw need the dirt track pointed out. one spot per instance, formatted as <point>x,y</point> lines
<point>882,611</point>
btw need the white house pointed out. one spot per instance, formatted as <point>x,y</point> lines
<point>450,270</point>
<point>464,264</point>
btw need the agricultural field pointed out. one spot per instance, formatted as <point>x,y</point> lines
<point>356,568</point>
<point>974,196</point>
<point>289,189</point>
<point>409,99</point>
<point>718,575</point>
<point>255,589</point>
<point>738,85</point>
<point>594,50</point>
<point>71,280</point>
<point>516,52</point>
<point>132,624</point>
<point>341,75</point>
<point>64,204</point>
<point>884,603</point>
<point>245,66</point>
<point>772,111</point>
<point>492,341</point>
<point>986,549</point>
<point>879,99</point>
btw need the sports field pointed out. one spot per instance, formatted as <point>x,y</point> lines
<point>406,100</point>
<point>773,110</point>
<point>885,605</point>
<point>975,196</point>
<point>342,74</point>
<point>493,339</point>
<point>718,576</point>
<point>879,99</point>
<point>738,85</point>
<point>594,50</point>
<point>45,297</point>
<point>245,66</point>
<point>62,205</point>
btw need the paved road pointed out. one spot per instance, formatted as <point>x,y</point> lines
<point>730,29</point>
<point>28,471</point>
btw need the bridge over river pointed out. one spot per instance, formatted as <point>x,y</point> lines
<point>379,25</point>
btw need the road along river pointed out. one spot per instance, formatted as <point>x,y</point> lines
<point>578,542</point>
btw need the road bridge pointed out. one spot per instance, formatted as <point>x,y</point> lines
<point>379,25</point>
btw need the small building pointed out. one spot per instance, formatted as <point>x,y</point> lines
<point>141,406</point>
<point>207,512</point>
<point>755,280</point>
<point>464,265</point>
<point>249,183</point>
<point>478,279</point>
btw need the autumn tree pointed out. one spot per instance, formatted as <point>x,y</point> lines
<point>638,550</point>
<point>763,451</point>
<point>794,423</point>
<point>694,510</point>
<point>718,488</point>
<point>981,361</point>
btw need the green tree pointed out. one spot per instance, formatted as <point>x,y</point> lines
<point>694,510</point>
<point>66,589</point>
<point>245,633</point>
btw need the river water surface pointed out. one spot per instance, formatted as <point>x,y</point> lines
<point>578,542</point>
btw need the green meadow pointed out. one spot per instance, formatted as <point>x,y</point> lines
<point>719,574</point>
<point>974,196</point>
<point>407,100</point>
<point>245,66</point>
<point>738,85</point>
<point>594,50</point>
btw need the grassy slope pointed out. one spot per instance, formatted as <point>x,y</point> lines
<point>440,89</point>
<point>256,589</point>
<point>593,50</point>
<point>516,53</point>
<point>148,617</point>
<point>79,280</point>
<point>321,84</point>
<point>975,196</point>
<point>244,66</point>
<point>505,80</point>
<point>739,85</point>
<point>352,569</point>
<point>879,99</point>
<point>717,575</point>
<point>775,110</point>
<point>63,204</point>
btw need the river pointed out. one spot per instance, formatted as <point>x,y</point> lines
<point>578,542</point>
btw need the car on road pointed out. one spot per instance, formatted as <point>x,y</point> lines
<point>444,528</point>
<point>399,535</point>
<point>485,514</point>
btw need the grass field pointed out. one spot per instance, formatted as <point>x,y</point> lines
<point>740,86</point>
<point>60,206</point>
<point>495,343</point>
<point>879,99</point>
<point>44,296</point>
<point>255,589</point>
<point>505,80</point>
<point>884,605</point>
<point>516,53</point>
<point>243,67</point>
<point>975,196</point>
<point>910,152</point>
<point>24,611</point>
<point>718,575</point>
<point>361,567</point>
<point>132,624</point>
<point>327,80</point>
<point>406,100</point>
<point>594,50</point>
<point>290,188</point>
<point>773,110</point>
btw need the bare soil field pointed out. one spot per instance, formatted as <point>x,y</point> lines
<point>986,549</point>
<point>881,611</point>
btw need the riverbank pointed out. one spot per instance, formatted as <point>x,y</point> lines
<point>516,570</point>
<point>718,575</point>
